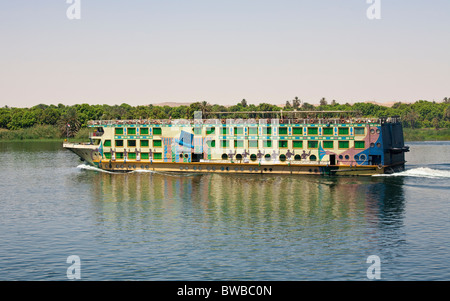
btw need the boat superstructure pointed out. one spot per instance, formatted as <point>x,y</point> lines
<point>331,146</point>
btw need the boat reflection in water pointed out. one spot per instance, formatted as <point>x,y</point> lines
<point>250,200</point>
<point>259,227</point>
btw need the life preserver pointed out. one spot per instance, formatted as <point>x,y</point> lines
<point>342,121</point>
<point>311,121</point>
<point>359,121</point>
<point>281,121</point>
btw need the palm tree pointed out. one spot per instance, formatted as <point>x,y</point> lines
<point>205,107</point>
<point>296,103</point>
<point>69,124</point>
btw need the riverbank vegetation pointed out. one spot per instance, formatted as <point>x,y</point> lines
<point>422,120</point>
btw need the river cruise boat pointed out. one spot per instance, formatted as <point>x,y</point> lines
<point>282,145</point>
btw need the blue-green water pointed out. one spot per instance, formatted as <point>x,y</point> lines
<point>151,226</point>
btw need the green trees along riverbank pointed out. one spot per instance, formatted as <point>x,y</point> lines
<point>422,120</point>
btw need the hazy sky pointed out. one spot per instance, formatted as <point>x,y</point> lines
<point>145,51</point>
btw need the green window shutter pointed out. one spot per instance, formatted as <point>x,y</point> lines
<point>118,131</point>
<point>238,131</point>
<point>253,143</point>
<point>119,143</point>
<point>283,143</point>
<point>107,155</point>
<point>343,131</point>
<point>144,143</point>
<point>157,143</point>
<point>131,143</point>
<point>327,131</point>
<point>297,144</point>
<point>328,144</point>
<point>119,155</point>
<point>359,144</point>
<point>157,131</point>
<point>225,143</point>
<point>313,131</point>
<point>210,131</point>
<point>283,131</point>
<point>144,156</point>
<point>343,144</point>
<point>238,143</point>
<point>224,131</point>
<point>107,143</point>
<point>297,131</point>
<point>253,131</point>
<point>131,131</point>
<point>313,144</point>
<point>144,131</point>
<point>131,155</point>
<point>157,156</point>
<point>359,131</point>
<point>267,143</point>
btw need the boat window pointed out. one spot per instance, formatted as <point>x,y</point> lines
<point>144,131</point>
<point>157,143</point>
<point>313,144</point>
<point>282,157</point>
<point>157,156</point>
<point>131,143</point>
<point>253,143</point>
<point>297,144</point>
<point>238,143</point>
<point>267,157</point>
<point>359,131</point>
<point>253,157</point>
<point>107,143</point>
<point>119,131</point>
<point>328,131</point>
<point>119,143</point>
<point>144,143</point>
<point>313,131</point>
<point>312,158</point>
<point>359,144</point>
<point>328,144</point>
<point>131,131</point>
<point>297,131</point>
<point>157,131</point>
<point>225,143</point>
<point>297,158</point>
<point>238,131</point>
<point>343,131</point>
<point>343,144</point>
<point>267,143</point>
<point>283,143</point>
<point>283,131</point>
<point>253,131</point>
<point>224,157</point>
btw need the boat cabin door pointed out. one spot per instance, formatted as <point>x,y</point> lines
<point>332,159</point>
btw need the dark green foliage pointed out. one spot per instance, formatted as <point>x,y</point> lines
<point>421,114</point>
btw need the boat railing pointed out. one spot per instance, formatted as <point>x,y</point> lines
<point>242,121</point>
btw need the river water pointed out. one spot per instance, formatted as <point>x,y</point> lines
<point>153,226</point>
